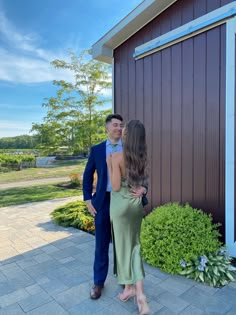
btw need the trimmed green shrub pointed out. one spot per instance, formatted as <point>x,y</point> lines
<point>12,161</point>
<point>172,233</point>
<point>214,269</point>
<point>74,214</point>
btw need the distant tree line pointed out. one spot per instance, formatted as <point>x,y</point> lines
<point>18,142</point>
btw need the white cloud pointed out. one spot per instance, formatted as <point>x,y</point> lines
<point>23,61</point>
<point>9,32</point>
<point>24,42</point>
<point>14,128</point>
<point>21,69</point>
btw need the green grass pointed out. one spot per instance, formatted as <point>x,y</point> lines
<point>57,169</point>
<point>17,196</point>
<point>67,163</point>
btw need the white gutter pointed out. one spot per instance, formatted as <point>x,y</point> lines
<point>145,12</point>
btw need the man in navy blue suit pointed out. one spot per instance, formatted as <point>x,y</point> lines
<point>99,202</point>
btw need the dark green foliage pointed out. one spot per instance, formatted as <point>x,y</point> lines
<point>74,214</point>
<point>173,232</point>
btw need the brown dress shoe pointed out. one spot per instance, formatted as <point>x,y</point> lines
<point>96,292</point>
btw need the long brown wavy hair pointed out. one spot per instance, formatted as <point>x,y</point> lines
<point>135,153</point>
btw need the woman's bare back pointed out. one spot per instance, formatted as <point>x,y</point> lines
<point>120,159</point>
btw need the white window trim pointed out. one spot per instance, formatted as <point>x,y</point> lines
<point>113,86</point>
<point>197,26</point>
<point>229,137</point>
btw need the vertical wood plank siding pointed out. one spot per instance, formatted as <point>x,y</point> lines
<point>179,94</point>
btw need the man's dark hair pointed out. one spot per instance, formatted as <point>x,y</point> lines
<point>113,116</point>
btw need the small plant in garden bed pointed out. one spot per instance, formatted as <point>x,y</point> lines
<point>214,269</point>
<point>75,181</point>
<point>75,214</point>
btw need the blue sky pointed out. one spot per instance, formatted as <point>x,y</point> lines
<point>33,33</point>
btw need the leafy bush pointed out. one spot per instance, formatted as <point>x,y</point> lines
<point>173,232</point>
<point>214,269</point>
<point>28,158</point>
<point>75,214</point>
<point>15,159</point>
<point>12,161</point>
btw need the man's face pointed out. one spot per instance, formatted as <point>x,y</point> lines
<point>114,129</point>
<point>124,132</point>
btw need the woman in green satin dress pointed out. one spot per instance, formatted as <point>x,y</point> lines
<point>127,171</point>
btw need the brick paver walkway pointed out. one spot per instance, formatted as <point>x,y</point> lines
<point>46,269</point>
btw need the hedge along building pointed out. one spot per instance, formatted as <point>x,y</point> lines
<point>174,69</point>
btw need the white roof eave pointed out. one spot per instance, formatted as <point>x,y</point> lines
<point>146,11</point>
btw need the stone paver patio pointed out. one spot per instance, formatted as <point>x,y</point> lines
<point>46,269</point>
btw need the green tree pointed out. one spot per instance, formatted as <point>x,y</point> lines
<point>73,114</point>
<point>79,113</point>
<point>82,141</point>
<point>49,136</point>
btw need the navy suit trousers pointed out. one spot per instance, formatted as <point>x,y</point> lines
<point>102,241</point>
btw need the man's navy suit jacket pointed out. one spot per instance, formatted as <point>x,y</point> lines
<point>96,162</point>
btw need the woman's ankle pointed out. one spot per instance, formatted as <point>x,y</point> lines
<point>129,287</point>
<point>139,293</point>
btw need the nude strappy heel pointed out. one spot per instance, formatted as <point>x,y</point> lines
<point>132,294</point>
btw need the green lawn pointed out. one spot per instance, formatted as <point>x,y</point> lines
<point>58,169</point>
<point>17,196</point>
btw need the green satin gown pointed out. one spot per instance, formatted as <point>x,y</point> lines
<point>126,215</point>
